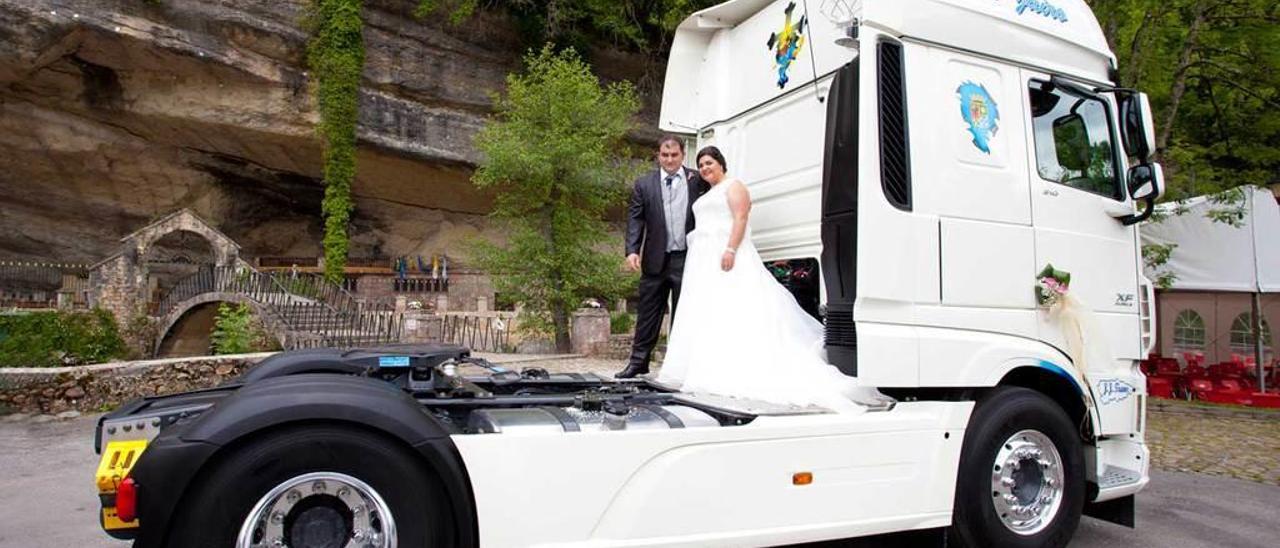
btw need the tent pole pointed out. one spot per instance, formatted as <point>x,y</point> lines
<point>1257,340</point>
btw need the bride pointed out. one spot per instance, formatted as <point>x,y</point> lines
<point>739,332</point>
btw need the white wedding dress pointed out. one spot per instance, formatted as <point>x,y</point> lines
<point>740,333</point>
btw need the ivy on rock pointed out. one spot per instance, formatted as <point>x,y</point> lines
<point>335,57</point>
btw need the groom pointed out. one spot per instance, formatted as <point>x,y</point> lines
<point>659,217</point>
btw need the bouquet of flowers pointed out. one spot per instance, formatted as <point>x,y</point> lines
<point>1052,286</point>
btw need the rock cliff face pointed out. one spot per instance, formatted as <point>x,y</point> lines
<point>116,112</point>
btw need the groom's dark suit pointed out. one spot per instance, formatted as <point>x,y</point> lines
<point>660,269</point>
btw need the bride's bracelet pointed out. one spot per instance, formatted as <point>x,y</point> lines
<point>730,251</point>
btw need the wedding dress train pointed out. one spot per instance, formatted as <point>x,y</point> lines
<point>740,333</point>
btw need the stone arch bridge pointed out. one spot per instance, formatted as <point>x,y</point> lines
<point>203,267</point>
<point>299,311</point>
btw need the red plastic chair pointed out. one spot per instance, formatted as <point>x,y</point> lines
<point>1226,370</point>
<point>1229,385</point>
<point>1196,388</point>
<point>1168,367</point>
<point>1193,359</point>
<point>1160,387</point>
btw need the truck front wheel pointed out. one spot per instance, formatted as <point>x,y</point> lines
<point>314,487</point>
<point>1021,474</point>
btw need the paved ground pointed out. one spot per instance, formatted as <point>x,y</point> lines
<point>1212,440</point>
<point>48,469</point>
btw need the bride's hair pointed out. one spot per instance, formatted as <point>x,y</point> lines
<point>715,154</point>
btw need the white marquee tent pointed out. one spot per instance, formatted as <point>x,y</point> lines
<point>1215,256</point>
<point>1221,270</point>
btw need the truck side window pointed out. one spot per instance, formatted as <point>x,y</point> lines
<point>1073,139</point>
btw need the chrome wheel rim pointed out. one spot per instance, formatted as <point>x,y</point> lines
<point>1027,482</point>
<point>319,510</point>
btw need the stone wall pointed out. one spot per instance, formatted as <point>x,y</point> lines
<point>589,333</point>
<point>422,326</point>
<point>102,387</point>
<point>381,289</point>
<point>467,288</point>
<point>115,287</point>
<point>469,291</point>
<point>619,347</point>
<point>376,288</point>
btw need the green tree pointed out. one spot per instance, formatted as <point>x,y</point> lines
<point>548,155</point>
<point>335,56</point>
<point>640,25</point>
<point>1212,69</point>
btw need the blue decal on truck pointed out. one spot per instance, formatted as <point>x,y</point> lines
<point>1114,390</point>
<point>979,110</point>
<point>1042,7</point>
<point>393,361</point>
<point>786,43</point>
<point>1053,367</point>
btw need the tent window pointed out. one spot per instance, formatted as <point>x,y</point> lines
<point>1188,331</point>
<point>1242,339</point>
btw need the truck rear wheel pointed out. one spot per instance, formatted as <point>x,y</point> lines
<point>1021,475</point>
<point>318,487</point>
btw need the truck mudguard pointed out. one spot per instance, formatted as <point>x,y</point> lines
<point>314,360</point>
<point>168,467</point>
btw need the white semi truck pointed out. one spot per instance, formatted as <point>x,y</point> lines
<point>931,162</point>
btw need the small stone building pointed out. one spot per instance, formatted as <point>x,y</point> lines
<point>158,253</point>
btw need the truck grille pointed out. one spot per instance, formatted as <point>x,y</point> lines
<point>839,326</point>
<point>895,160</point>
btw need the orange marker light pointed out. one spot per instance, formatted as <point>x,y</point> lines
<point>801,478</point>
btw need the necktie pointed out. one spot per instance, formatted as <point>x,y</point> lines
<point>669,179</point>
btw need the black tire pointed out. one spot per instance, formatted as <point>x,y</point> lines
<point>213,512</point>
<point>1000,414</point>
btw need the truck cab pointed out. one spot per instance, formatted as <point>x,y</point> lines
<point>933,159</point>
<point>961,178</point>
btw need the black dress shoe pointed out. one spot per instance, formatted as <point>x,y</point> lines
<point>632,371</point>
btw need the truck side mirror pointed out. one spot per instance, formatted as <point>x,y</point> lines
<point>1072,138</point>
<point>1137,131</point>
<point>1146,184</point>
<point>1146,181</point>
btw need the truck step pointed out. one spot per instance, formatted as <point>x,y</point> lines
<point>1115,476</point>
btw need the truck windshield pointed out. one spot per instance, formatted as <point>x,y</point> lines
<point>1073,139</point>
